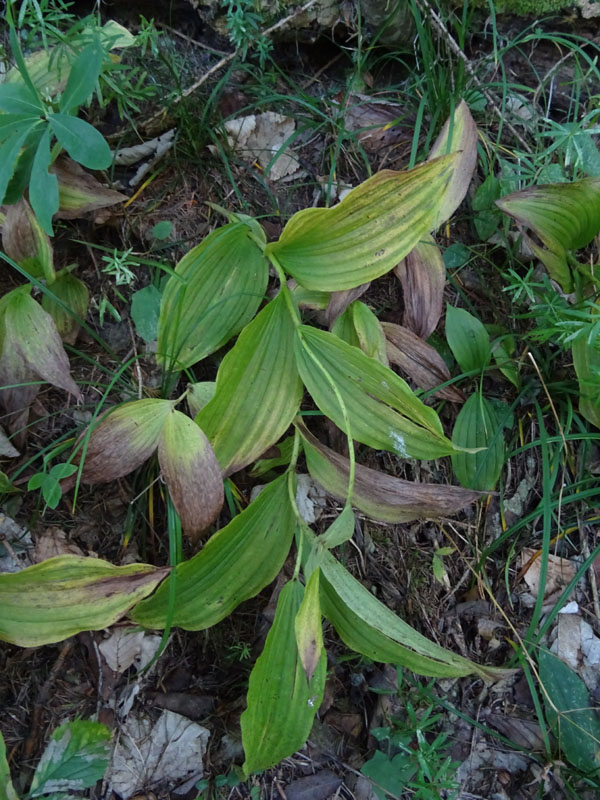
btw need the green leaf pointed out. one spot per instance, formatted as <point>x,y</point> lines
<point>308,627</point>
<point>19,99</point>
<point>7,791</point>
<point>9,153</point>
<point>43,186</point>
<point>368,233</point>
<point>586,360</point>
<point>370,628</point>
<point>477,426</point>
<point>216,290</point>
<point>359,327</point>
<point>341,529</point>
<point>162,230</point>
<point>81,141</point>
<point>234,565</point>
<point>570,712</point>
<point>281,457</point>
<point>63,596</point>
<point>51,491</point>
<point>199,395</point>
<point>468,339</point>
<point>258,390</point>
<point>281,704</point>
<point>60,471</point>
<point>192,473</point>
<point>564,216</point>
<point>145,310</point>
<point>376,494</point>
<point>82,78</point>
<point>76,758</point>
<point>390,776</point>
<point>383,412</point>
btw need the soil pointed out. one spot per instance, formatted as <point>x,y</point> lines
<point>204,675</point>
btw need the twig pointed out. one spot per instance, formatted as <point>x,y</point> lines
<point>451,41</point>
<point>160,116</point>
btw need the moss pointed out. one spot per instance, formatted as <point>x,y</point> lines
<point>536,7</point>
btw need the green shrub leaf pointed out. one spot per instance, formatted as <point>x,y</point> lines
<point>368,233</point>
<point>258,390</point>
<point>43,186</point>
<point>216,289</point>
<point>19,99</point>
<point>145,310</point>
<point>468,339</point>
<point>82,77</point>
<point>82,142</point>
<point>76,758</point>
<point>281,703</point>
<point>63,596</point>
<point>477,426</point>
<point>234,565</point>
<point>383,412</point>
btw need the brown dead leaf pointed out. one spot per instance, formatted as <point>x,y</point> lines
<point>560,571</point>
<point>374,121</point>
<point>192,706</point>
<point>339,302</point>
<point>524,732</point>
<point>380,496</point>
<point>419,360</point>
<point>259,137</point>
<point>24,240</point>
<point>54,542</point>
<point>423,276</point>
<point>320,786</point>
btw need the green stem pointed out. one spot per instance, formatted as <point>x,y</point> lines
<point>284,289</point>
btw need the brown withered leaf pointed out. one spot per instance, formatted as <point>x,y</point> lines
<point>339,302</point>
<point>423,276</point>
<point>419,360</point>
<point>192,473</point>
<point>79,192</point>
<point>25,241</point>
<point>123,440</point>
<point>375,121</point>
<point>377,495</point>
<point>7,450</point>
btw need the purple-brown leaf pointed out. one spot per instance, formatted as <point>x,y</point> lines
<point>339,302</point>
<point>25,241</point>
<point>192,473</point>
<point>79,192</point>
<point>380,496</point>
<point>423,276</point>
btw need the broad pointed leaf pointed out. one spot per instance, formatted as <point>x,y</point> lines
<point>192,473</point>
<point>216,290</point>
<point>234,565</point>
<point>368,233</point>
<point>380,496</point>
<point>7,791</point>
<point>24,240</point>
<point>281,703</point>
<point>477,426</point>
<point>468,339</point>
<point>43,185</point>
<point>75,295</point>
<point>459,135</point>
<point>564,216</point>
<point>359,327</point>
<point>123,440</point>
<point>81,141</point>
<point>258,390</point>
<point>383,412</point>
<point>199,395</point>
<point>308,627</point>
<point>357,614</point>
<point>419,360</point>
<point>63,596</point>
<point>586,360</point>
<point>423,277</point>
<point>82,78</point>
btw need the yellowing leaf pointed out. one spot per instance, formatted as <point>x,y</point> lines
<point>359,327</point>
<point>122,441</point>
<point>192,473</point>
<point>564,216</point>
<point>308,628</point>
<point>258,390</point>
<point>79,192</point>
<point>25,241</point>
<point>383,411</point>
<point>376,494</point>
<point>216,289</point>
<point>75,295</point>
<point>368,233</point>
<point>63,596</point>
<point>199,394</point>
<point>234,564</point>
<point>459,135</point>
<point>281,703</point>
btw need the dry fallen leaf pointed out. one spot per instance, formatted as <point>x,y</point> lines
<point>560,572</point>
<point>259,137</point>
<point>423,277</point>
<point>128,646</point>
<point>53,542</point>
<point>339,302</point>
